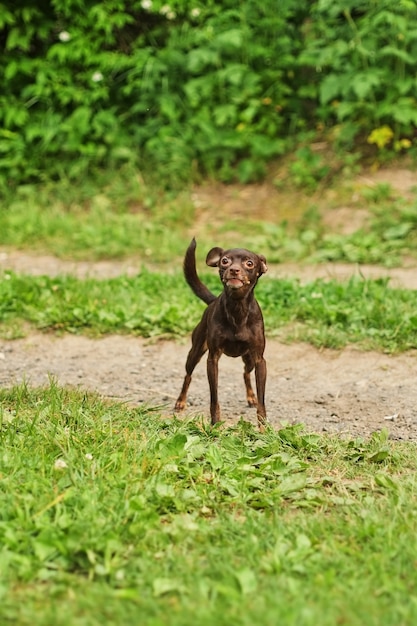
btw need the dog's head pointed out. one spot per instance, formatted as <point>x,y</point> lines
<point>239,269</point>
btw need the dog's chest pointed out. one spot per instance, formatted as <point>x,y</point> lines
<point>236,342</point>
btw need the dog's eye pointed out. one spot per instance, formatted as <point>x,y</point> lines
<point>249,263</point>
<point>225,261</point>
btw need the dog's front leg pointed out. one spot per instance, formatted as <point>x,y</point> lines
<point>213,378</point>
<point>198,348</point>
<point>260,377</point>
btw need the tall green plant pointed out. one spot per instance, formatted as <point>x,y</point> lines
<point>108,81</point>
<point>183,88</point>
<point>364,55</point>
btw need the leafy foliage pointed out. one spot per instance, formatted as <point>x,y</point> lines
<point>366,52</point>
<point>187,87</point>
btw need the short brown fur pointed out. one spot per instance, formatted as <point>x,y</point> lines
<point>232,324</point>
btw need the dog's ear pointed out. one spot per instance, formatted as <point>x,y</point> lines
<point>214,257</point>
<point>264,267</point>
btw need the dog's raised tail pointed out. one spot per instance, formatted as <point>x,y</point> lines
<point>191,276</point>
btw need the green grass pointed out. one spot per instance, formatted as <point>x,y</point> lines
<point>118,215</point>
<point>113,515</point>
<point>330,314</point>
<point>113,217</point>
<point>389,235</point>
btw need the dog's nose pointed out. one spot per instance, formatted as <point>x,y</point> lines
<point>234,269</point>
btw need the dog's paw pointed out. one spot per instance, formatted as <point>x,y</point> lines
<point>262,423</point>
<point>252,400</point>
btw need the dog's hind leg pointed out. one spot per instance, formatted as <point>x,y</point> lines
<point>250,394</point>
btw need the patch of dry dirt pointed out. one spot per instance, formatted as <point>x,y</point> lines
<point>347,392</point>
<point>38,265</point>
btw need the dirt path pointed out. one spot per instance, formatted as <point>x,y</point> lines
<point>37,265</point>
<point>344,391</point>
<point>347,392</point>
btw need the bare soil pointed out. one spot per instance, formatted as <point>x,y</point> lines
<point>348,392</point>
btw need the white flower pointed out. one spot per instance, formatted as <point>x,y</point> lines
<point>64,36</point>
<point>146,4</point>
<point>60,464</point>
<point>97,77</point>
<point>168,12</point>
<point>89,456</point>
<point>195,12</point>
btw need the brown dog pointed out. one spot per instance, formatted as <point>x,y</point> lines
<point>232,324</point>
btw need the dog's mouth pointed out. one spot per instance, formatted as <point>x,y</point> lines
<point>234,283</point>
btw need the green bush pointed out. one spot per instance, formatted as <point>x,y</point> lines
<point>187,88</point>
<point>365,57</point>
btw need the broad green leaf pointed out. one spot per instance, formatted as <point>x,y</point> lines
<point>165,586</point>
<point>246,579</point>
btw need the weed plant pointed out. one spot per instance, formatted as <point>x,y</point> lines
<point>111,514</point>
<point>326,313</point>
